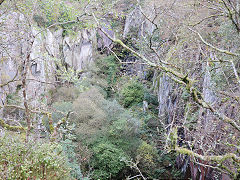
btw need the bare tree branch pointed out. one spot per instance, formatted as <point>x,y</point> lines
<point>206,18</point>
<point>213,47</point>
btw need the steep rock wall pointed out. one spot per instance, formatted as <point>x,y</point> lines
<point>74,50</point>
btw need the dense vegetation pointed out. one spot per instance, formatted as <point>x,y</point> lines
<point>119,89</point>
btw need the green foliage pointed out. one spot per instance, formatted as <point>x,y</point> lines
<point>125,125</point>
<point>68,138</point>
<point>60,110</point>
<point>68,75</point>
<point>152,100</point>
<point>113,110</point>
<point>132,93</point>
<point>56,11</point>
<point>185,95</point>
<point>69,149</point>
<point>151,126</point>
<point>147,158</point>
<point>107,160</point>
<point>107,127</point>
<point>228,33</point>
<point>124,133</point>
<point>147,154</point>
<point>32,160</point>
<point>88,114</point>
<point>109,67</point>
<point>166,169</point>
<point>14,98</point>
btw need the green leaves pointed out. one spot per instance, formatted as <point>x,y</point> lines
<point>107,160</point>
<point>110,67</point>
<point>132,93</point>
<point>19,160</point>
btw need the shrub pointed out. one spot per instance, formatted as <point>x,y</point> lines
<point>19,160</point>
<point>113,110</point>
<point>124,133</point>
<point>132,93</point>
<point>67,138</point>
<point>107,160</point>
<point>125,126</point>
<point>88,115</point>
<point>147,157</point>
<point>151,98</point>
<point>147,154</point>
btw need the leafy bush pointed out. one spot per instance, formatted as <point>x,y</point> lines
<point>113,110</point>
<point>13,98</point>
<point>132,93</point>
<point>109,131</point>
<point>151,98</point>
<point>125,126</point>
<point>19,160</point>
<point>88,115</point>
<point>67,138</point>
<point>112,133</point>
<point>124,132</point>
<point>147,155</point>
<point>107,160</point>
<point>108,68</point>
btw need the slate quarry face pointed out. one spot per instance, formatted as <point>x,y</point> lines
<point>75,51</point>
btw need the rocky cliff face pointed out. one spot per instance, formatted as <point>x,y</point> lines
<point>75,51</point>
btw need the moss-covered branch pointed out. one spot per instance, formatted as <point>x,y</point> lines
<point>48,114</point>
<point>218,159</point>
<point>183,77</point>
<point>198,98</point>
<point>206,18</point>
<point>23,108</point>
<point>179,77</point>
<point>11,128</point>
